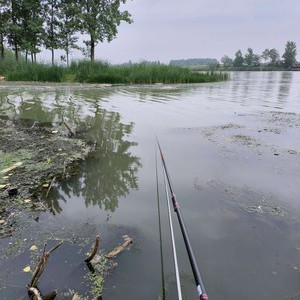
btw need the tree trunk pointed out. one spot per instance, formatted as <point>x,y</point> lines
<point>16,49</point>
<point>92,49</point>
<point>52,51</point>
<point>67,55</point>
<point>2,45</point>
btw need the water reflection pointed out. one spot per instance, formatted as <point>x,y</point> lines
<point>112,171</point>
<point>284,86</point>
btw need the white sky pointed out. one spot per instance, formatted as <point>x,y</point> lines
<point>173,29</point>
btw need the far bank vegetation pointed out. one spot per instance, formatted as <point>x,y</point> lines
<point>268,60</point>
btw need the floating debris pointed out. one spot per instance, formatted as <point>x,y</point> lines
<point>117,250</point>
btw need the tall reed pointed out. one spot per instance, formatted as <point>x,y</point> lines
<point>103,72</point>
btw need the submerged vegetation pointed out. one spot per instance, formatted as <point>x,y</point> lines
<point>103,72</point>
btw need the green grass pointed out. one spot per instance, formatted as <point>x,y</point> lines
<point>36,72</point>
<point>102,72</point>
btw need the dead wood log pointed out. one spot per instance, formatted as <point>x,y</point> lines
<point>117,250</point>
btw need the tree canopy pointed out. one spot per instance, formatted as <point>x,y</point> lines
<point>289,55</point>
<point>28,25</point>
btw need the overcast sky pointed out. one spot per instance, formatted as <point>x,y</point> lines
<point>174,29</point>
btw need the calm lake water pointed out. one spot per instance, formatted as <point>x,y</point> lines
<point>233,153</point>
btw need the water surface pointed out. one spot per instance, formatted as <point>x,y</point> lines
<point>233,153</point>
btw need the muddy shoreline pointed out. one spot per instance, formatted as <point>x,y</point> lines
<point>32,158</point>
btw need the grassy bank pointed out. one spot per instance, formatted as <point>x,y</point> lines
<point>102,72</point>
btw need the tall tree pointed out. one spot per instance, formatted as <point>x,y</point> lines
<point>4,19</point>
<point>32,25</point>
<point>15,26</point>
<point>69,26</point>
<point>256,60</point>
<point>238,60</point>
<point>249,57</point>
<point>227,61</point>
<point>100,19</point>
<point>265,55</point>
<point>274,56</point>
<point>53,21</point>
<point>289,55</point>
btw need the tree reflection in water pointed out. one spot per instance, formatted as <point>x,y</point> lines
<point>111,171</point>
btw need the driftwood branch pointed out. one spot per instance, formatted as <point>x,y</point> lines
<point>54,248</point>
<point>42,265</point>
<point>116,251</point>
<point>96,246</point>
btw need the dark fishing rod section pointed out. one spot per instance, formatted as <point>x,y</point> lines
<point>196,272</point>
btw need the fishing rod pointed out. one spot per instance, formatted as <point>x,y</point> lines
<point>196,272</point>
<point>179,293</point>
<point>160,235</point>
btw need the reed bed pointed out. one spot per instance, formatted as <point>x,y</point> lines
<point>103,72</point>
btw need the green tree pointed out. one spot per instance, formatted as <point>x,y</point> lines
<point>238,60</point>
<point>289,56</point>
<point>32,27</point>
<point>256,60</point>
<point>52,25</point>
<point>15,29</point>
<point>4,19</point>
<point>69,26</point>
<point>265,55</point>
<point>227,61</point>
<point>249,57</point>
<point>274,57</point>
<point>99,20</point>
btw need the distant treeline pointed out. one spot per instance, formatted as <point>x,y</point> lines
<point>193,62</point>
<point>269,59</point>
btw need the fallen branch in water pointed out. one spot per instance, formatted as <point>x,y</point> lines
<point>42,265</point>
<point>96,246</point>
<point>116,251</point>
